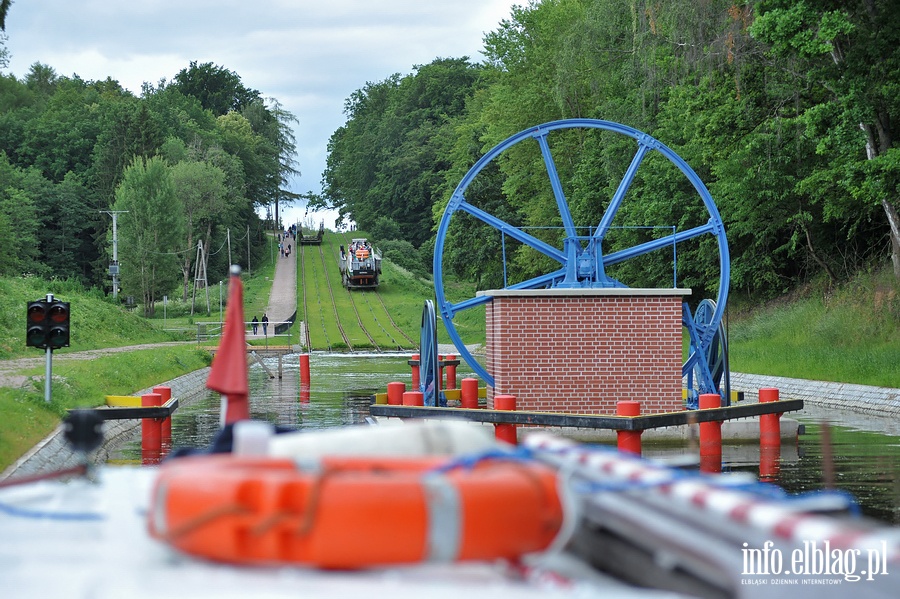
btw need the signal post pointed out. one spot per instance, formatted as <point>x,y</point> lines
<point>48,329</point>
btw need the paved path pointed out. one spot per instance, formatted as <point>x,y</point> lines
<point>283,296</point>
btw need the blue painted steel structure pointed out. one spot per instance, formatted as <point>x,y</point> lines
<point>581,258</point>
<point>428,357</point>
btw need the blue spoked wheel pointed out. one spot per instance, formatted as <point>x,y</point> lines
<point>578,260</point>
<point>428,356</point>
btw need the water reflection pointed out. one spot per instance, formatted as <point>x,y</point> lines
<point>866,463</point>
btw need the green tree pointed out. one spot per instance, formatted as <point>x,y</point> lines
<point>389,160</point>
<point>274,124</point>
<point>4,10</point>
<point>218,89</point>
<point>201,190</point>
<point>850,52</point>
<point>21,251</point>
<point>151,232</point>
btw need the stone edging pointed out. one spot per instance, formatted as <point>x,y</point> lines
<point>52,453</point>
<point>864,399</point>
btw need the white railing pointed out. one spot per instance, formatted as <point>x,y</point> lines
<point>213,330</point>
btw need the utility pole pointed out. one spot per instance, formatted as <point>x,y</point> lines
<point>114,267</point>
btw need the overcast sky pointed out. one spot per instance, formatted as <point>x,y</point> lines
<point>309,54</point>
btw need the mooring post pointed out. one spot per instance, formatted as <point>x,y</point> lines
<point>468,394</point>
<point>395,393</point>
<point>769,437</point>
<point>151,431</point>
<point>769,424</point>
<point>413,398</point>
<point>165,394</point>
<point>451,371</point>
<point>710,436</point>
<point>502,431</point>
<point>304,369</point>
<point>414,364</point>
<point>628,441</point>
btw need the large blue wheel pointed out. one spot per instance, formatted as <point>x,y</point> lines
<point>580,258</point>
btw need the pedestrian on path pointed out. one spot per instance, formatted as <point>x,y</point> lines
<point>255,324</point>
<point>265,322</point>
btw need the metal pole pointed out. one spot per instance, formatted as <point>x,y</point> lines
<point>115,275</point>
<point>48,370</point>
<point>48,375</point>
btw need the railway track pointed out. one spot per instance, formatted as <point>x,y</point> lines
<point>394,324</point>
<point>362,326</point>
<point>337,316</point>
<point>320,311</point>
<point>307,341</point>
<point>395,331</point>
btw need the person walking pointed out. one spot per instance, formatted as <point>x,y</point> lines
<point>265,323</point>
<point>255,324</point>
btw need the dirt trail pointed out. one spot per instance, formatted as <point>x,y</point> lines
<point>8,368</point>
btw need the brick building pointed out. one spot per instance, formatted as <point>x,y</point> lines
<point>582,350</point>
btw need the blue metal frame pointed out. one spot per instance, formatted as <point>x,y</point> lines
<point>582,266</point>
<point>428,358</point>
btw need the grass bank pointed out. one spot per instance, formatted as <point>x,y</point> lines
<point>848,335</point>
<point>97,322</point>
<point>27,418</point>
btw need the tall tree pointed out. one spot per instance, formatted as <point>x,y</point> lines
<point>851,52</point>
<point>218,89</point>
<point>4,9</point>
<point>274,124</point>
<point>20,251</point>
<point>152,230</point>
<point>201,190</point>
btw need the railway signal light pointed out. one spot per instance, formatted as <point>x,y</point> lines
<point>48,324</point>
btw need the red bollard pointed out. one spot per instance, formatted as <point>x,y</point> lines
<point>166,428</point>
<point>769,438</point>
<point>451,372</point>
<point>628,441</point>
<point>769,424</point>
<point>395,393</point>
<point>413,398</point>
<point>468,395</point>
<point>506,432</point>
<point>710,436</point>
<point>414,363</point>
<point>304,369</point>
<point>304,394</point>
<point>151,431</point>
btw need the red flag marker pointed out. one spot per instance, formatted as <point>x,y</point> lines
<point>228,374</point>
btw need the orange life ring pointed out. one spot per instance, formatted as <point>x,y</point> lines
<point>351,513</point>
<point>362,254</point>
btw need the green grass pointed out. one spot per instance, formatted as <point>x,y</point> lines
<point>97,321</point>
<point>851,335</point>
<point>176,316</point>
<point>368,322</point>
<point>27,418</point>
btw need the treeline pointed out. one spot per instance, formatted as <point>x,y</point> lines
<point>188,161</point>
<point>784,108</point>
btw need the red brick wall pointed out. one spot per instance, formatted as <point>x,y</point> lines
<point>582,353</point>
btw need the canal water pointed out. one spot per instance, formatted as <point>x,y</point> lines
<point>846,451</point>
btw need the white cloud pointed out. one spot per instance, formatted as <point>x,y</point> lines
<point>310,55</point>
